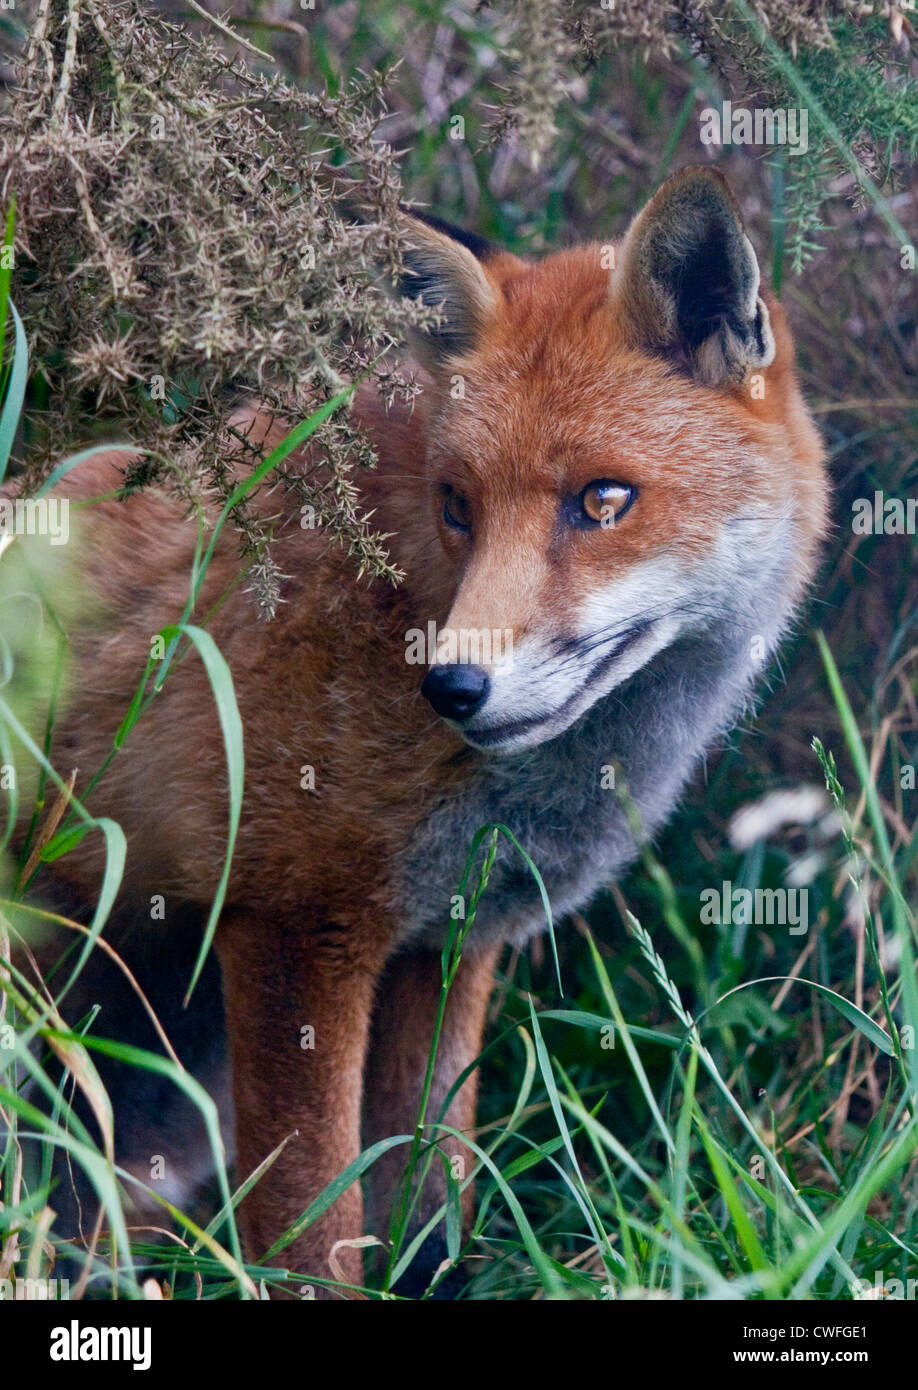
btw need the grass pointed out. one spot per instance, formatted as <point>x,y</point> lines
<point>616,1159</point>
<point>709,1108</point>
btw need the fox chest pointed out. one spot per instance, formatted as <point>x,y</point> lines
<point>569,804</point>
<point>560,807</point>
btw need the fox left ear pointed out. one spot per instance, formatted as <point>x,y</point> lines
<point>687,284</point>
<point>445,270</point>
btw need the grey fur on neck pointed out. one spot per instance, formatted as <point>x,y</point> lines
<point>655,727</point>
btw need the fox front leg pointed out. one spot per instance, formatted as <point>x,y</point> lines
<point>298,1003</point>
<point>404,1016</point>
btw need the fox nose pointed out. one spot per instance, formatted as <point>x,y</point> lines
<point>456,691</point>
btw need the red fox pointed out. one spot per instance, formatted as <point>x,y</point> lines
<point>608,502</point>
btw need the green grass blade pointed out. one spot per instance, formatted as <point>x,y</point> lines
<point>728,1190</point>
<point>14,399</point>
<point>863,1022</point>
<point>221,683</point>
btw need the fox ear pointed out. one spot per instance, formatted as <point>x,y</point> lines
<point>444,269</point>
<point>687,285</point>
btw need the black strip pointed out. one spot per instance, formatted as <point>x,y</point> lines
<point>478,245</point>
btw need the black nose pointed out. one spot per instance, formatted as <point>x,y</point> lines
<point>456,691</point>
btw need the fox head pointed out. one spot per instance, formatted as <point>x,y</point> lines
<point>619,457</point>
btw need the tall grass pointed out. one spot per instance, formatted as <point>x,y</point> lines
<point>689,1188</point>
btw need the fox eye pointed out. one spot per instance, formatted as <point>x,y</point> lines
<point>456,511</point>
<point>604,502</point>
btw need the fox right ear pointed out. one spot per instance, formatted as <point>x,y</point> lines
<point>687,284</point>
<point>444,269</point>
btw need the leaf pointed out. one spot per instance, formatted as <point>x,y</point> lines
<point>330,1194</point>
<point>871,1030</point>
<point>596,1023</point>
<point>453,1217</point>
<point>221,683</point>
<point>63,468</point>
<point>6,275</point>
<point>15,393</point>
<point>730,1193</point>
<point>63,843</point>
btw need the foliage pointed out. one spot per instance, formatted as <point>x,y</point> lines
<point>182,242</point>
